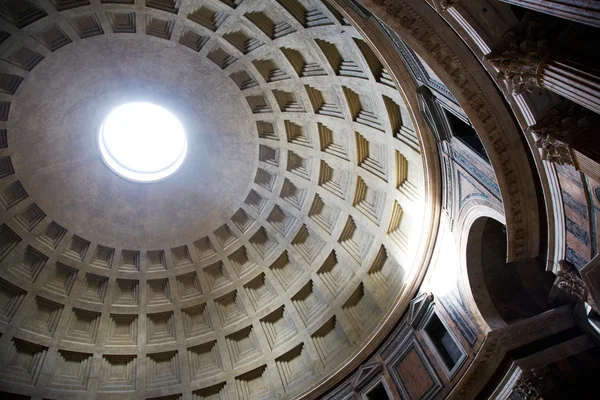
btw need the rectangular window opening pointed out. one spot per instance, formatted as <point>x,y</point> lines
<point>378,393</point>
<point>443,341</point>
<point>465,132</point>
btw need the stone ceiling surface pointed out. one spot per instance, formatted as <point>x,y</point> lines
<point>255,271</point>
<point>60,107</point>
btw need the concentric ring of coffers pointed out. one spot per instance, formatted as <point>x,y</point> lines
<point>282,291</point>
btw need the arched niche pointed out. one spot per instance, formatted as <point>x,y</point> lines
<point>500,290</point>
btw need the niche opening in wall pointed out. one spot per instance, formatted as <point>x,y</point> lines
<point>445,346</point>
<point>378,391</point>
<point>463,130</point>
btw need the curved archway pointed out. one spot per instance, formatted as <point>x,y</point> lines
<point>489,275</point>
<point>472,223</point>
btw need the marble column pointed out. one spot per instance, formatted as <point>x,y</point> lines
<point>572,80</point>
<point>582,11</point>
<point>525,62</point>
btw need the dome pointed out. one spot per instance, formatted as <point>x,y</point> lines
<point>264,253</point>
<point>298,199</point>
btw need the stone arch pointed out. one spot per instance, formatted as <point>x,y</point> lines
<point>486,273</point>
<point>450,58</point>
<point>472,277</point>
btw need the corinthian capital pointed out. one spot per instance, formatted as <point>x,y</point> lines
<point>518,61</point>
<point>533,383</point>
<point>566,121</point>
<point>569,280</point>
<point>563,128</point>
<point>554,150</point>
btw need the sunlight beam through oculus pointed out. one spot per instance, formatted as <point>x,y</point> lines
<point>142,142</point>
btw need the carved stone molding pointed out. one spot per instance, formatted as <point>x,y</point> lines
<point>533,383</point>
<point>365,375</point>
<point>448,203</point>
<point>480,107</point>
<point>519,59</point>
<point>420,307</point>
<point>569,280</point>
<point>554,150</point>
<point>500,341</point>
<point>433,114</point>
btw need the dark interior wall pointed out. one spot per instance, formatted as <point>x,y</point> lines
<point>503,281</point>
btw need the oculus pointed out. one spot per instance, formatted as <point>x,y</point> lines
<point>142,142</point>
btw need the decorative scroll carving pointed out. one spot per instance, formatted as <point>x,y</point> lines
<point>569,280</point>
<point>565,126</point>
<point>520,58</point>
<point>533,383</point>
<point>553,150</point>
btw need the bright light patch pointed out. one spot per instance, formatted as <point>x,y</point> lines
<point>142,142</point>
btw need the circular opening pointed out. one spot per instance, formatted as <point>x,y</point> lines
<point>142,142</point>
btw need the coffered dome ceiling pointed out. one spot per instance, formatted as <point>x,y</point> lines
<point>268,261</point>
